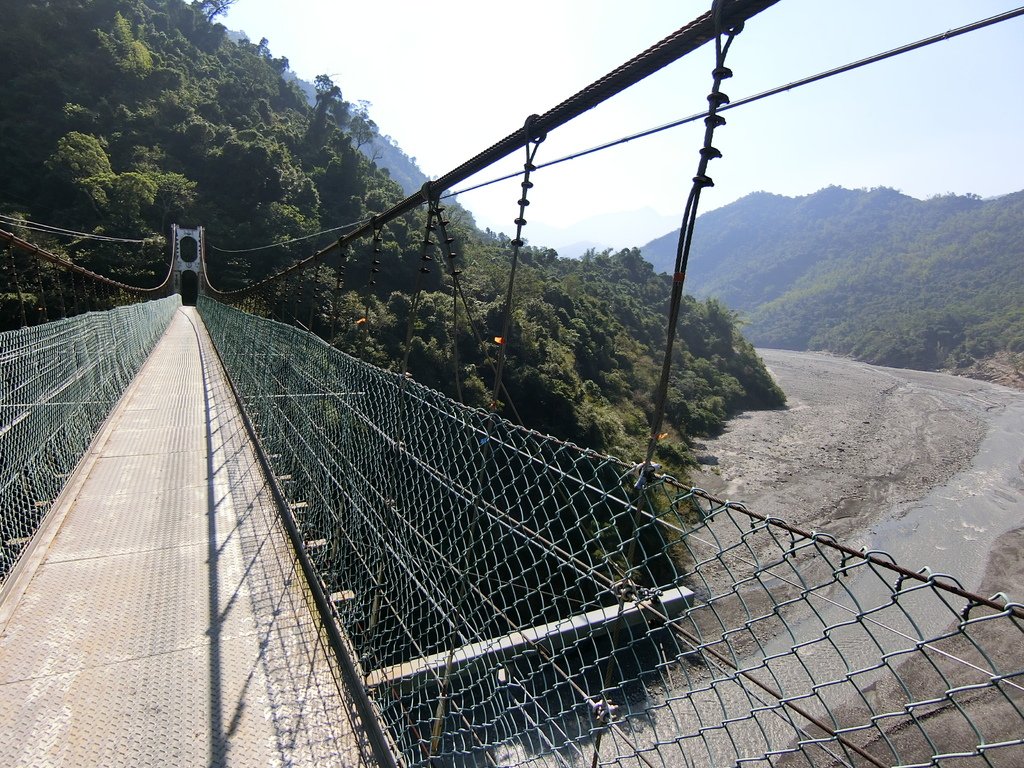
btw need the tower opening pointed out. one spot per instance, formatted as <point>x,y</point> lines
<point>188,249</point>
<point>189,287</point>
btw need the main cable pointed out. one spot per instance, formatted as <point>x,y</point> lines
<point>52,230</point>
<point>58,261</point>
<point>937,38</point>
<point>293,240</point>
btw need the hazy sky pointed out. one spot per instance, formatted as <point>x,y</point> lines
<point>448,79</point>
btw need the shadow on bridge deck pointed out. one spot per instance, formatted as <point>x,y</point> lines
<point>162,618</point>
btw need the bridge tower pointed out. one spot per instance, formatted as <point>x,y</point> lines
<point>189,252</point>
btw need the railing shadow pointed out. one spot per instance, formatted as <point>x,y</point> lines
<point>255,587</point>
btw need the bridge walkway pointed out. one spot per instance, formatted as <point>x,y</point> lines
<point>161,617</point>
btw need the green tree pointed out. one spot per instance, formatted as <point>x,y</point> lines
<point>131,56</point>
<point>328,97</point>
<point>360,127</point>
<point>79,156</point>
<point>211,9</point>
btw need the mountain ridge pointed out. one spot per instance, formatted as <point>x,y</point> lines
<point>875,274</point>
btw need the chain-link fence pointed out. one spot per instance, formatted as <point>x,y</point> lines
<point>512,599</point>
<point>58,381</point>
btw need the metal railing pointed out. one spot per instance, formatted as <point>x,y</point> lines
<point>512,599</point>
<point>58,382</point>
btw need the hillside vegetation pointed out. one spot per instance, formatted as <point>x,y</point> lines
<point>121,117</point>
<point>584,348</point>
<point>874,274</point>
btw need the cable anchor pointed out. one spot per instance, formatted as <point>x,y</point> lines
<point>628,591</point>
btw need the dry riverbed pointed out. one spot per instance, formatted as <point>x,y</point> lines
<point>926,466</point>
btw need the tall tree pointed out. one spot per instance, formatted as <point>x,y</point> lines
<point>328,97</point>
<point>213,8</point>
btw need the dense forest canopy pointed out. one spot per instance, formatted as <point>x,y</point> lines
<point>121,117</point>
<point>872,273</point>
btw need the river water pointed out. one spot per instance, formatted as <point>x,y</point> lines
<point>956,524</point>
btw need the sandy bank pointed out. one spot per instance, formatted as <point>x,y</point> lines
<point>926,466</point>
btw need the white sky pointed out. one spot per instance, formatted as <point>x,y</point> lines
<point>448,79</point>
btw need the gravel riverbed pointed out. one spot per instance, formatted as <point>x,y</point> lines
<point>926,466</point>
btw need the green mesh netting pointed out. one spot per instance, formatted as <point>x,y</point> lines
<point>512,599</point>
<point>58,381</point>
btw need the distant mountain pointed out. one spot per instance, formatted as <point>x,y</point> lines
<point>873,273</point>
<point>580,247</point>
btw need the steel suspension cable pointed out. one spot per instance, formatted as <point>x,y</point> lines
<point>680,43</point>
<point>533,142</point>
<point>41,253</point>
<point>293,240</point>
<point>41,297</point>
<point>60,297</point>
<point>453,273</point>
<point>339,272</point>
<point>371,279</point>
<point>604,709</point>
<point>791,86</point>
<point>425,257</point>
<point>52,230</point>
<point>16,282</point>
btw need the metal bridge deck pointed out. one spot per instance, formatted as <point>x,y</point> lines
<point>163,619</point>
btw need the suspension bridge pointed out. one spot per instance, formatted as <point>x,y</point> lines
<point>226,542</point>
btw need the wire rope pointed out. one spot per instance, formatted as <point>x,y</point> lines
<point>791,86</point>
<point>50,229</point>
<point>293,240</point>
<point>42,254</point>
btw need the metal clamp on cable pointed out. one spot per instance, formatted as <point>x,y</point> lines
<point>427,193</point>
<point>646,472</point>
<point>532,136</point>
<point>603,711</point>
<point>628,591</point>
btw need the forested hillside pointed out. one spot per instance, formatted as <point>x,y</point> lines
<point>121,117</point>
<point>382,150</point>
<point>583,351</point>
<point>874,274</point>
